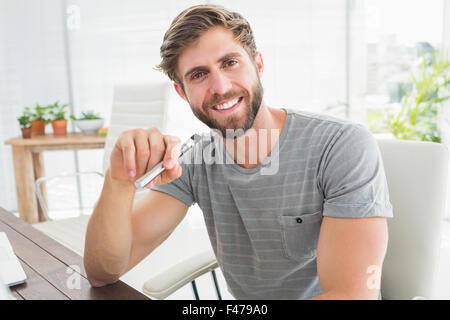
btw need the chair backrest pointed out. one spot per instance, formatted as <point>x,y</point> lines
<point>136,106</point>
<point>416,174</point>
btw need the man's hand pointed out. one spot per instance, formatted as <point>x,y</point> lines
<point>137,151</point>
<point>350,257</point>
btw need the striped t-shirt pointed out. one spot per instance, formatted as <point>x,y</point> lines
<point>264,222</point>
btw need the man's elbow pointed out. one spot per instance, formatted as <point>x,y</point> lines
<point>98,278</point>
<point>95,283</point>
<point>101,281</point>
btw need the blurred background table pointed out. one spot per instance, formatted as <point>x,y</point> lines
<point>28,166</point>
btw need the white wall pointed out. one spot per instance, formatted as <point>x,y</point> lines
<point>32,69</point>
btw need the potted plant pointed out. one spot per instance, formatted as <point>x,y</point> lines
<point>419,114</point>
<point>89,122</point>
<point>25,123</point>
<point>420,111</point>
<point>39,120</point>
<point>59,121</point>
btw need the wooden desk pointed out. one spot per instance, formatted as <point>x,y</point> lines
<point>28,166</point>
<point>53,271</point>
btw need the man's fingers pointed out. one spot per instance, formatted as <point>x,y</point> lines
<point>155,182</point>
<point>142,151</point>
<point>173,148</point>
<point>170,174</point>
<point>128,154</point>
<point>170,161</point>
<point>157,147</point>
<point>137,151</point>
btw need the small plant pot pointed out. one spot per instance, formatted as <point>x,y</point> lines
<point>89,126</point>
<point>59,127</point>
<point>104,132</point>
<point>37,127</point>
<point>26,133</point>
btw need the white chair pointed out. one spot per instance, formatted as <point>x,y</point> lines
<point>416,174</point>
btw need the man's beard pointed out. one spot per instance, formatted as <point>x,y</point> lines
<point>236,124</point>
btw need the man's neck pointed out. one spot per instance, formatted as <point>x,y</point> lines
<point>250,149</point>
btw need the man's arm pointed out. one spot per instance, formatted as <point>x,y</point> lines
<point>350,256</point>
<point>120,234</point>
<point>153,219</point>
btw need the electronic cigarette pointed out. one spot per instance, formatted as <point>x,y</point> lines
<point>158,169</point>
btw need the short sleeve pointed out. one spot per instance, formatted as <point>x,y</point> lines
<point>180,188</point>
<point>351,176</point>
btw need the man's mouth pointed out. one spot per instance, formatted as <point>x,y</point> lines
<point>228,106</point>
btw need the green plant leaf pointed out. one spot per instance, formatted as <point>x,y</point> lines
<point>418,117</point>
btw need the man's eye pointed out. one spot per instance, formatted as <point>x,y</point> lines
<point>197,75</point>
<point>230,63</point>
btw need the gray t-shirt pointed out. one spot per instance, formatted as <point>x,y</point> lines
<point>264,226</point>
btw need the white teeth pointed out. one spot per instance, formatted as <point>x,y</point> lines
<point>227,105</point>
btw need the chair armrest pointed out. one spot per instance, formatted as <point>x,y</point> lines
<point>169,281</point>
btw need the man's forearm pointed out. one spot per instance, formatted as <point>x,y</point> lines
<point>109,232</point>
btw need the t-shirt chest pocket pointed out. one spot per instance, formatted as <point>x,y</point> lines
<point>300,235</point>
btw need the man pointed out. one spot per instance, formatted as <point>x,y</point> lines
<point>315,227</point>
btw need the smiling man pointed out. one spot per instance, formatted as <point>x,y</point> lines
<point>229,99</point>
<point>313,228</point>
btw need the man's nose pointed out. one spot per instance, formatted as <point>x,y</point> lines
<point>220,84</point>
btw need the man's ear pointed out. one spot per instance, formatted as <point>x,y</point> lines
<point>259,63</point>
<point>179,90</point>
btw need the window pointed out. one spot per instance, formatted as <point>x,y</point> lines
<point>398,35</point>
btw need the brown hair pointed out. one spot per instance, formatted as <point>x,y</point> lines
<point>191,24</point>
